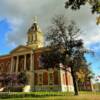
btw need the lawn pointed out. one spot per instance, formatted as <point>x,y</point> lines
<point>82,96</point>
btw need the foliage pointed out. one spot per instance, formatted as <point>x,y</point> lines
<point>22,78</point>
<point>31,94</point>
<point>76,4</point>
<point>14,89</point>
<point>65,46</point>
<point>83,96</point>
<point>50,96</point>
<point>51,58</point>
<point>84,72</point>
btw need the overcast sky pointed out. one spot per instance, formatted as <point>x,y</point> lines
<point>20,13</point>
<point>16,16</point>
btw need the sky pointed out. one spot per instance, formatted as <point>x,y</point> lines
<point>16,16</point>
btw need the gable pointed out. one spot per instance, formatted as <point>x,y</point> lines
<point>20,49</point>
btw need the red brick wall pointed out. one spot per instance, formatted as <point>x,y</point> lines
<point>45,78</point>
<point>69,79</point>
<point>36,60</point>
<point>64,78</point>
<point>6,64</point>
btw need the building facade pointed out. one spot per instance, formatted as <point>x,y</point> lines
<point>25,58</point>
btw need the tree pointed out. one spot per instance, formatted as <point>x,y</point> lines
<point>84,73</point>
<point>22,78</point>
<point>76,4</point>
<point>65,47</point>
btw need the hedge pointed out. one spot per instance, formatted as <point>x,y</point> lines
<point>6,95</point>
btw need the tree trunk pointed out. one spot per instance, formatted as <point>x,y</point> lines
<point>74,81</point>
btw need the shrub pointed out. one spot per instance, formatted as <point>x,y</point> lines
<point>6,95</point>
<point>14,89</point>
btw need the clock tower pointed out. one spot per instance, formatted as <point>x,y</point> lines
<point>35,36</point>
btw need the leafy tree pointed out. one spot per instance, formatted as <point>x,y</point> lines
<point>65,47</point>
<point>51,58</point>
<point>84,73</point>
<point>76,4</point>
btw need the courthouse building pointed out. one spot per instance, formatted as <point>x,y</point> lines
<point>25,58</point>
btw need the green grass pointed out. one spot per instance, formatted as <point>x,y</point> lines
<point>62,96</point>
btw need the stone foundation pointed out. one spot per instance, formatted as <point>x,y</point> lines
<point>54,88</point>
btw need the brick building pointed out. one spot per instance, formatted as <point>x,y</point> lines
<point>26,58</point>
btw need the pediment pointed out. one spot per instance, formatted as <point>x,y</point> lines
<point>20,49</point>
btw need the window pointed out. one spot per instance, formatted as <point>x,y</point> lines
<point>51,78</point>
<point>40,79</point>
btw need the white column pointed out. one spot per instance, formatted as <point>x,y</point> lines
<point>31,62</point>
<point>17,61</point>
<point>24,62</point>
<point>11,65</point>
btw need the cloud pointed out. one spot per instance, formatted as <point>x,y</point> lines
<point>91,36</point>
<point>96,48</point>
<point>20,13</point>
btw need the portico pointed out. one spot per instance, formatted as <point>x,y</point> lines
<point>26,58</point>
<point>22,60</point>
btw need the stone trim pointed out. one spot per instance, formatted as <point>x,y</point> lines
<point>21,53</point>
<point>66,88</point>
